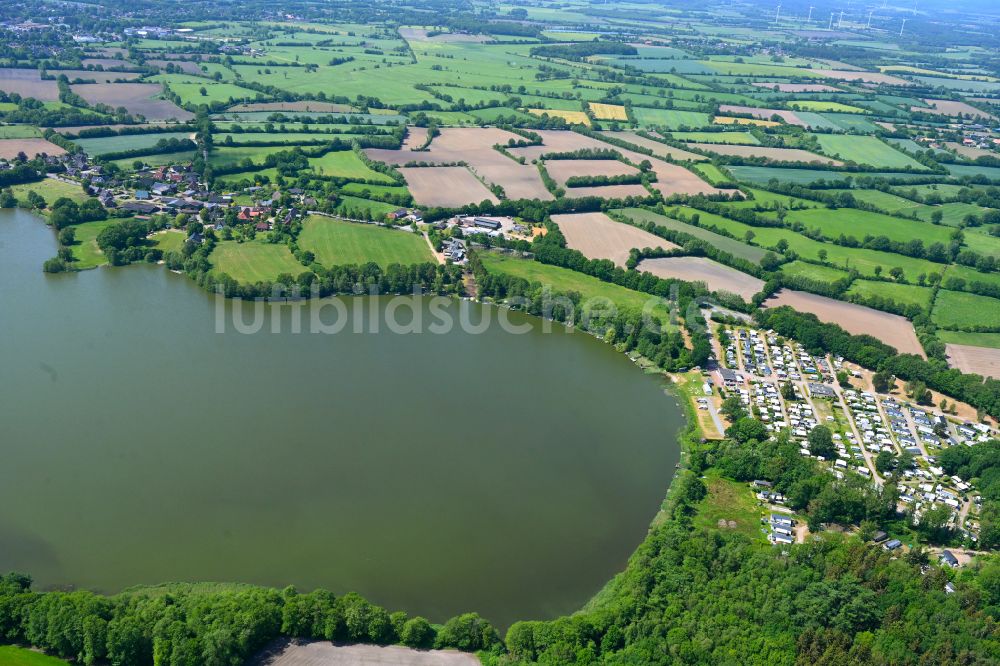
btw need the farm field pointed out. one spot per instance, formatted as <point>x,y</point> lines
<point>815,272</point>
<point>597,236</point>
<point>28,83</point>
<point>138,98</point>
<point>905,294</point>
<point>335,242</point>
<point>860,223</point>
<point>865,150</point>
<point>254,261</point>
<point>724,243</point>
<point>9,148</point>
<point>572,117</point>
<point>608,111</point>
<point>737,138</point>
<point>565,280</point>
<point>958,310</point>
<point>446,187</point>
<point>51,190</point>
<point>772,154</point>
<point>346,164</point>
<point>856,319</point>
<point>977,360</point>
<point>659,149</point>
<point>114,144</point>
<point>716,276</point>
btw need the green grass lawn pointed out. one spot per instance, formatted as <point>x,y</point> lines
<point>864,150</point>
<point>86,254</point>
<point>11,655</point>
<point>729,501</point>
<point>956,310</point>
<point>18,131</point>
<point>713,174</point>
<point>169,241</point>
<point>564,280</point>
<point>908,294</point>
<point>818,105</point>
<point>670,118</point>
<point>336,242</point>
<point>254,261</point>
<point>733,138</point>
<point>861,223</point>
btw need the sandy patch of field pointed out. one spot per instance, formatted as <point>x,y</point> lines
<point>312,106</point>
<point>572,117</point>
<point>519,181</point>
<point>775,154</point>
<point>597,236</point>
<point>795,87</point>
<point>970,152</point>
<point>293,653</point>
<point>764,114</point>
<point>608,111</point>
<point>979,360</point>
<point>420,35</point>
<point>562,170</point>
<point>27,83</point>
<point>856,319</point>
<point>138,98</point>
<point>659,149</point>
<point>947,107</point>
<point>716,276</point>
<point>445,187</point>
<point>671,178</point>
<point>9,148</point>
<point>864,77</point>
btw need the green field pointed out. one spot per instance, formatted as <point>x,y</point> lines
<point>113,144</point>
<point>713,174</point>
<point>907,294</point>
<point>86,254</point>
<point>861,223</point>
<point>565,280</point>
<point>727,501</point>
<point>11,655</point>
<point>974,339</point>
<point>51,190</point>
<point>670,118</point>
<point>814,272</point>
<point>868,150</point>
<point>335,242</point>
<point>254,261</point>
<point>18,131</point>
<point>734,138</point>
<point>956,310</point>
<point>817,105</point>
<point>346,164</point>
<point>188,88</point>
<point>724,243</point>
<point>169,241</point>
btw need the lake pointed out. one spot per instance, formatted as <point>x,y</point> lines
<point>508,474</point>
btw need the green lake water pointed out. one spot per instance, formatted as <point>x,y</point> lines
<point>435,473</point>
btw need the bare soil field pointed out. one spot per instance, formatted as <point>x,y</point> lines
<point>9,148</point>
<point>969,152</point>
<point>979,360</point>
<point>947,107</point>
<point>775,154</point>
<point>448,187</point>
<point>597,236</point>
<point>699,269</point>
<point>607,191</point>
<point>659,149</point>
<point>764,114</point>
<point>856,319</point>
<point>415,138</point>
<point>138,98</point>
<point>864,77</point>
<point>91,75</point>
<point>795,87</point>
<point>474,146</point>
<point>288,653</point>
<point>313,106</point>
<point>519,181</point>
<point>562,170</point>
<point>671,178</point>
<point>27,83</point>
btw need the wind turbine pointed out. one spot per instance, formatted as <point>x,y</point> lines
<point>870,19</point>
<point>841,21</point>
<point>777,14</point>
<point>830,27</point>
<point>901,27</point>
<point>810,19</point>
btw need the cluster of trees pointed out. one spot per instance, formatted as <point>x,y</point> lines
<point>582,50</point>
<point>870,352</point>
<point>980,463</point>
<point>211,625</point>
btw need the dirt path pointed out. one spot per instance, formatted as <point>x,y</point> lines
<point>437,255</point>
